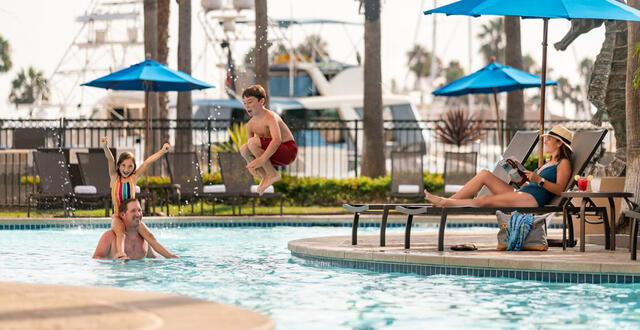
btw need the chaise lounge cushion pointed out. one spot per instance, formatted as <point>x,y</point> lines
<point>214,188</point>
<point>537,238</point>
<point>408,189</point>
<point>269,190</point>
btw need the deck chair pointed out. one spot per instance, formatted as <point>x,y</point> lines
<point>585,144</point>
<point>239,182</point>
<point>519,148</point>
<point>407,178</point>
<point>55,182</point>
<point>29,138</point>
<point>184,169</point>
<point>459,168</point>
<point>94,171</point>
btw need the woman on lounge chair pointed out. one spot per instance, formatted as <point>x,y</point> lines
<point>545,182</point>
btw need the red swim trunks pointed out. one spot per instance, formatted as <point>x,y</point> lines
<point>286,153</point>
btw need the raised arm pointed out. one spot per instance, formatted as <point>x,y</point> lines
<point>143,167</point>
<point>110,160</point>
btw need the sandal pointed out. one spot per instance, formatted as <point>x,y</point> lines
<point>464,247</point>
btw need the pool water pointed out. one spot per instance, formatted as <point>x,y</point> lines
<point>251,267</point>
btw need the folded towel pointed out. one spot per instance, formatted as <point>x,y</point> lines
<point>214,188</point>
<point>517,230</point>
<point>85,190</point>
<point>254,189</point>
<point>408,189</point>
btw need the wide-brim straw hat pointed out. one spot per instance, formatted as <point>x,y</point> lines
<point>561,133</point>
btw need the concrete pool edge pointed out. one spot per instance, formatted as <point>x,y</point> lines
<point>555,265</point>
<point>49,306</point>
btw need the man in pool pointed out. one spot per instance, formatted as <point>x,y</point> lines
<point>134,245</point>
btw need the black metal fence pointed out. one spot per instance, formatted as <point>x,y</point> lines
<point>326,148</point>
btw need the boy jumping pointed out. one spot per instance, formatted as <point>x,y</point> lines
<point>270,140</point>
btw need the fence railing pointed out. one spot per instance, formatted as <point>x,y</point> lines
<point>326,148</point>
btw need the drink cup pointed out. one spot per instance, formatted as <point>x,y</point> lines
<point>582,184</point>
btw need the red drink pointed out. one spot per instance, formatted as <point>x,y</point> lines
<point>582,184</point>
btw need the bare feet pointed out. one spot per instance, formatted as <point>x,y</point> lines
<point>435,200</point>
<point>269,180</point>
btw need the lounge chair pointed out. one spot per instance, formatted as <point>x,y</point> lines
<point>184,169</point>
<point>459,168</point>
<point>55,182</point>
<point>407,177</point>
<point>239,182</point>
<point>519,148</point>
<point>585,144</point>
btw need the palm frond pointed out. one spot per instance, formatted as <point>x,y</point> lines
<point>459,128</point>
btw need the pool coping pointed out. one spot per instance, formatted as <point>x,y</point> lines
<point>556,266</point>
<point>53,306</point>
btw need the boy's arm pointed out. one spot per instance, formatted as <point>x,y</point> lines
<point>276,140</point>
<point>143,167</point>
<point>110,160</point>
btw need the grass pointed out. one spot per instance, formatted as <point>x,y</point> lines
<point>221,209</point>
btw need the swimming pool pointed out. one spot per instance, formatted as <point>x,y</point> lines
<point>252,267</point>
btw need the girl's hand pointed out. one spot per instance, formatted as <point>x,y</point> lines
<point>533,177</point>
<point>166,147</point>
<point>104,141</point>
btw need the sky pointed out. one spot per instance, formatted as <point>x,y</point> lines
<point>40,31</point>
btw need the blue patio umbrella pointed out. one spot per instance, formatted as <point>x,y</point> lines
<point>148,76</point>
<point>493,78</point>
<point>544,9</point>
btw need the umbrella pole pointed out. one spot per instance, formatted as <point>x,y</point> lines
<point>543,88</point>
<point>147,122</point>
<point>498,121</point>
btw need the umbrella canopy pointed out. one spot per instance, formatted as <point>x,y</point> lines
<point>569,9</point>
<point>151,76</point>
<point>545,9</point>
<point>495,77</point>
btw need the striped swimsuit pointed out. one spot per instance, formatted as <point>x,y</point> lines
<point>121,190</point>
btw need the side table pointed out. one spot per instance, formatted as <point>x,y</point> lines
<point>586,199</point>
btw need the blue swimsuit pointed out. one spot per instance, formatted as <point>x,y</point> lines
<point>542,195</point>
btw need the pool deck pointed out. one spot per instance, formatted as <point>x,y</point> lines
<point>44,306</point>
<point>424,251</point>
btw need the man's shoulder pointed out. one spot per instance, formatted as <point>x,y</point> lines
<point>108,234</point>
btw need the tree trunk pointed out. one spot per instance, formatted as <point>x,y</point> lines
<point>184,113</point>
<point>373,154</point>
<point>513,58</point>
<point>632,181</point>
<point>262,47</point>
<point>151,52</point>
<point>163,54</point>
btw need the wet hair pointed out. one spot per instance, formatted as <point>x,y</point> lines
<point>124,156</point>
<point>123,205</point>
<point>256,91</point>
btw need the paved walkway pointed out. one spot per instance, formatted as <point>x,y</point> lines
<point>42,306</point>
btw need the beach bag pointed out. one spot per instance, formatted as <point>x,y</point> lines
<point>536,240</point>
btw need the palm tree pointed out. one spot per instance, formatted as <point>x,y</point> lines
<point>184,113</point>
<point>632,181</point>
<point>27,86</point>
<point>493,40</point>
<point>5,55</point>
<point>372,156</point>
<point>419,62</point>
<point>151,51</point>
<point>453,71</point>
<point>261,59</point>
<point>313,46</point>
<point>163,54</point>
<point>513,58</point>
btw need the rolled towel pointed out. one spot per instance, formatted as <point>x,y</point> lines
<point>408,189</point>
<point>269,190</point>
<point>214,188</point>
<point>85,190</point>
